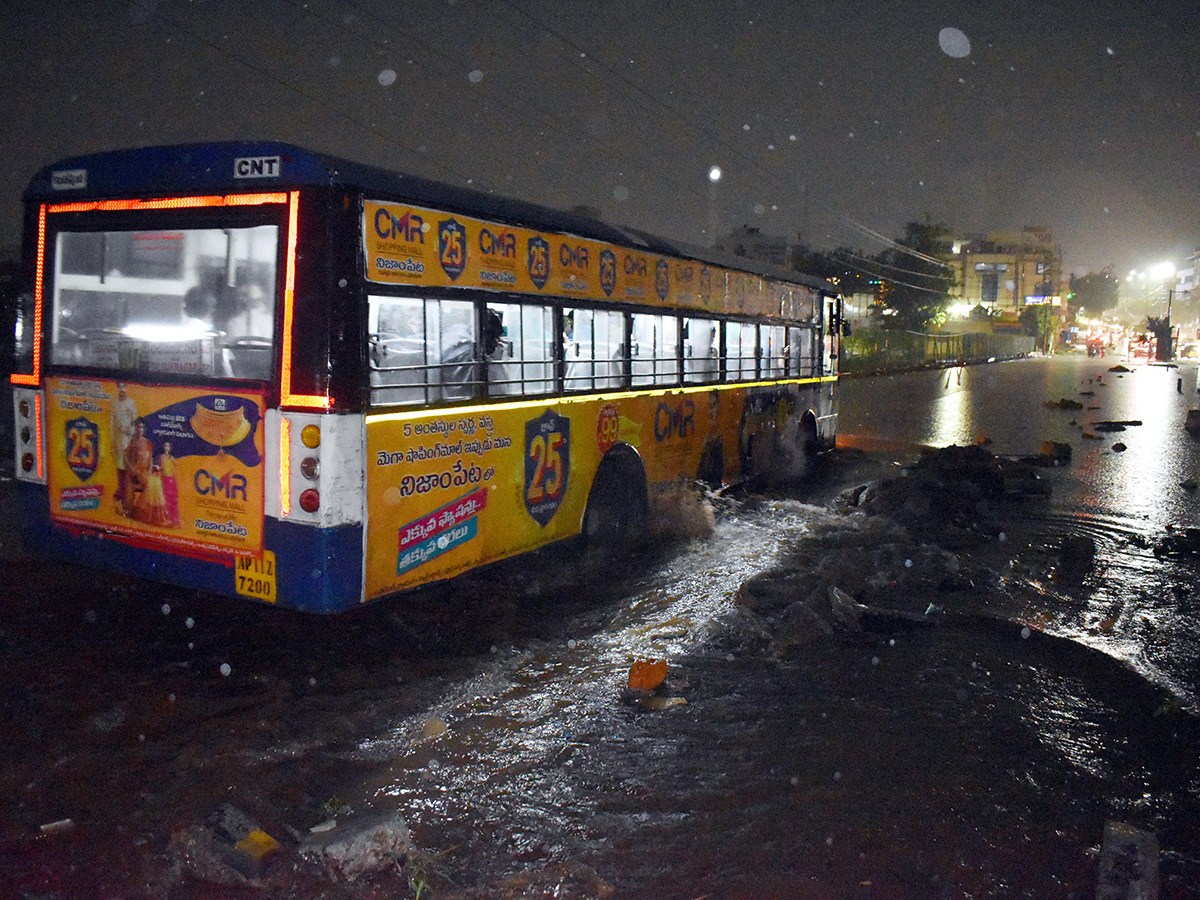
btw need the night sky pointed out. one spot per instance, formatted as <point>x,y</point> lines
<point>834,121</point>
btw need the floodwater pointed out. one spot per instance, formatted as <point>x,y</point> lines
<point>977,758</point>
<point>1132,490</point>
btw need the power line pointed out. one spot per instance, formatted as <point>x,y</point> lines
<point>896,245</point>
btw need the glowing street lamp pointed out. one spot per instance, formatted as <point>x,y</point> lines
<point>714,175</point>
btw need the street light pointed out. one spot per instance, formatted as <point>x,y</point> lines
<point>714,175</point>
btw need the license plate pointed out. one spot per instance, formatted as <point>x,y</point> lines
<point>255,577</point>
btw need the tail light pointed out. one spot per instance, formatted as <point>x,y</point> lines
<point>30,433</point>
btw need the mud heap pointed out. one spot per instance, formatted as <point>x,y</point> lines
<point>953,496</point>
<point>902,555</point>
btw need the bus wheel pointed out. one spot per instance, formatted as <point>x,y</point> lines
<point>807,445</point>
<point>617,516</point>
<point>712,466</point>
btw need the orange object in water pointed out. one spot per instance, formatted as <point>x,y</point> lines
<point>647,674</point>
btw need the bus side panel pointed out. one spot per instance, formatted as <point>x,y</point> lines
<point>455,488</point>
<point>452,489</point>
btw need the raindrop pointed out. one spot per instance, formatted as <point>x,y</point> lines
<point>851,134</point>
<point>189,622</point>
<point>1003,537</point>
<point>954,43</point>
<point>571,644</point>
<point>794,780</point>
<point>829,841</point>
<point>791,137</point>
<point>746,127</point>
<point>475,76</point>
<point>620,193</point>
<point>312,682</point>
<point>166,608</point>
<point>874,660</point>
<point>892,642</point>
<point>759,209</point>
<point>1110,51</point>
<point>226,669</point>
<point>837,776</point>
<point>387,77</point>
<point>908,564</point>
<point>770,146</point>
<point>171,697</point>
<point>1025,632</point>
<point>334,62</point>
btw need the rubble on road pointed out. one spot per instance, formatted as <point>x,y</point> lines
<point>363,845</point>
<point>896,566</point>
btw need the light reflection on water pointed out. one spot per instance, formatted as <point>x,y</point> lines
<point>1134,605</point>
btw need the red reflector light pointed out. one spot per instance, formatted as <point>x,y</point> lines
<point>310,501</point>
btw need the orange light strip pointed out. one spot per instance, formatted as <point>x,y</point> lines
<point>35,378</point>
<point>286,397</point>
<point>285,466</point>
<point>41,455</point>
<point>170,203</point>
<point>121,206</point>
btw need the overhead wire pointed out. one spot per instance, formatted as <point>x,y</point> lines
<point>597,64</point>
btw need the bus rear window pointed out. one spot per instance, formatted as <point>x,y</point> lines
<point>174,301</point>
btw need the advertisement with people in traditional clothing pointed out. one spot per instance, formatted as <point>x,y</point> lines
<point>171,465</point>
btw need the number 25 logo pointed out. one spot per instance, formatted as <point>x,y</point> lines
<point>547,464</point>
<point>83,441</point>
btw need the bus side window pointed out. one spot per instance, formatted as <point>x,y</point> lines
<point>770,339</point>
<point>739,351</point>
<point>800,355</point>
<point>523,361</point>
<point>700,350</point>
<point>654,350</point>
<point>397,350</point>
<point>459,363</point>
<point>594,348</point>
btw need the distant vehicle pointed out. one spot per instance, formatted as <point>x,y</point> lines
<point>1141,348</point>
<point>262,372</point>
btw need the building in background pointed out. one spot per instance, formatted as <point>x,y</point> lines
<point>1007,271</point>
<point>751,243</point>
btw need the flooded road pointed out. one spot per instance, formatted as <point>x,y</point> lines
<point>1130,485</point>
<point>970,738</point>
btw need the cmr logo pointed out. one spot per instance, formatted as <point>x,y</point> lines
<point>230,486</point>
<point>257,167</point>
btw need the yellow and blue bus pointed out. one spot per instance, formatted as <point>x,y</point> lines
<point>263,372</point>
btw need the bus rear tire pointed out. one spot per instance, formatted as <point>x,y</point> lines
<point>616,520</point>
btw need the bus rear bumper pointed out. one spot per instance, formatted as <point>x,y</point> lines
<point>316,569</point>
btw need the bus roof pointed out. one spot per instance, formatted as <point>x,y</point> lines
<point>233,166</point>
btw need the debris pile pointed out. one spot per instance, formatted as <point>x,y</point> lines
<point>954,495</point>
